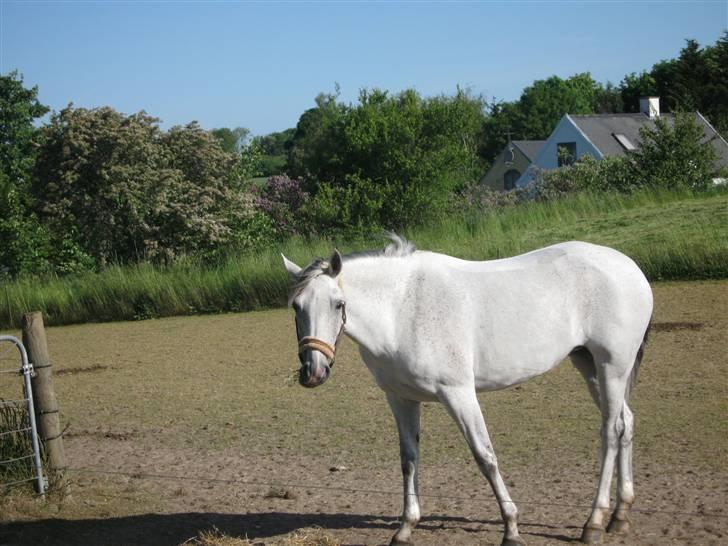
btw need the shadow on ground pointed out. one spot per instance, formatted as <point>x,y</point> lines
<point>174,529</point>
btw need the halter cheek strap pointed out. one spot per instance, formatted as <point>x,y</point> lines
<point>315,344</point>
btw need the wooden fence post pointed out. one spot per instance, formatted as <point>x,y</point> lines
<point>44,396</point>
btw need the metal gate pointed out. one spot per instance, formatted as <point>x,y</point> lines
<point>17,422</point>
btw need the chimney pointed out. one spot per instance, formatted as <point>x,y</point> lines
<point>650,106</point>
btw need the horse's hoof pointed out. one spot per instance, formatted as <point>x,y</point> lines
<point>619,527</point>
<point>591,535</point>
<point>513,542</point>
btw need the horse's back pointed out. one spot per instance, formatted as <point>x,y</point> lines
<point>589,273</point>
<point>520,316</point>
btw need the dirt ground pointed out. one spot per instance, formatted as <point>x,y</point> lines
<point>187,424</point>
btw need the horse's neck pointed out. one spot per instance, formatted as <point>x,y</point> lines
<point>373,289</point>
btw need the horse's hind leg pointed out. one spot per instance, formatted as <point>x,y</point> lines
<point>463,406</point>
<point>620,522</point>
<point>407,415</point>
<point>613,380</point>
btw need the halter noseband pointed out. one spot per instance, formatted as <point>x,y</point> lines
<point>315,344</point>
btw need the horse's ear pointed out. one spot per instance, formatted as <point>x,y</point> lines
<point>293,269</point>
<point>335,264</point>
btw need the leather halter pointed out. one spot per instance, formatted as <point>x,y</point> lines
<point>315,344</point>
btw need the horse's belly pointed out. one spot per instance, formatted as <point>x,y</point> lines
<point>403,381</point>
<point>496,378</point>
<point>498,369</point>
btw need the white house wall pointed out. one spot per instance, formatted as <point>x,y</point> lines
<point>548,158</point>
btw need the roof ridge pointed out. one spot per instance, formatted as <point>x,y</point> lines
<point>618,114</point>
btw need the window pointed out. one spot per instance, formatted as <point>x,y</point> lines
<point>624,141</point>
<point>566,153</point>
<point>509,179</point>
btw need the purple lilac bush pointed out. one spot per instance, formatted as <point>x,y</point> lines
<point>281,198</point>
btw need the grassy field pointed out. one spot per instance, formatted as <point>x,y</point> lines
<point>671,236</point>
<point>208,397</point>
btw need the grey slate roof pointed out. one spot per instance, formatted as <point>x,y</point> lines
<point>600,130</point>
<point>530,148</point>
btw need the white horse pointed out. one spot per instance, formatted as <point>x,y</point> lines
<point>434,327</point>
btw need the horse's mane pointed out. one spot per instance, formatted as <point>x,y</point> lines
<point>397,248</point>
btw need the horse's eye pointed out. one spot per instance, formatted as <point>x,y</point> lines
<point>296,307</point>
<point>339,304</point>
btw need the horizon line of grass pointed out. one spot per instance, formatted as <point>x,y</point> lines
<point>672,235</point>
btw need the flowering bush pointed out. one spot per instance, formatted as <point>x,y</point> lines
<point>481,199</point>
<point>608,174</point>
<point>130,191</point>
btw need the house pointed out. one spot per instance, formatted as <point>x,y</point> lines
<point>511,163</point>
<point>607,135</point>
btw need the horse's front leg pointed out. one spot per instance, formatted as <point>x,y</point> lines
<point>407,415</point>
<point>462,403</point>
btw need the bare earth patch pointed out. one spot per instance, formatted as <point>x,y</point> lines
<point>193,428</point>
<point>673,326</point>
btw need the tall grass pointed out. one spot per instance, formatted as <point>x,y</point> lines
<point>671,235</point>
<point>16,445</point>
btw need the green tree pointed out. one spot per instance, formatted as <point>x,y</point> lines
<point>388,161</point>
<point>634,86</point>
<point>674,153</point>
<point>714,102</point>
<point>417,150</point>
<point>277,143</point>
<point>250,164</point>
<point>689,77</point>
<point>316,151</point>
<point>607,99</point>
<point>25,246</point>
<point>545,102</point>
<point>503,119</point>
<point>274,149</point>
<point>19,107</point>
<point>231,140</point>
<point>696,80</point>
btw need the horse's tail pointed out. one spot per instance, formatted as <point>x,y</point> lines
<point>637,361</point>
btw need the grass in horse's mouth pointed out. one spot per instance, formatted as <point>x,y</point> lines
<point>292,377</point>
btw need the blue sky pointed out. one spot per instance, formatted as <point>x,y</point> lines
<point>261,64</point>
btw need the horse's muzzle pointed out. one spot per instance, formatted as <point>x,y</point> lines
<point>313,374</point>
